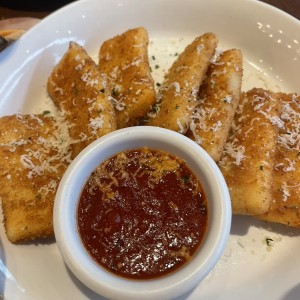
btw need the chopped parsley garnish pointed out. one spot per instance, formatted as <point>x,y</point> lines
<point>154,109</point>
<point>185,179</point>
<point>269,241</point>
<point>114,92</point>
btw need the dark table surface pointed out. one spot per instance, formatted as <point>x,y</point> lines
<point>21,8</point>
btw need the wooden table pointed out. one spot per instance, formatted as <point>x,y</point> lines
<point>11,9</point>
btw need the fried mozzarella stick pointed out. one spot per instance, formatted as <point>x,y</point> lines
<point>285,207</point>
<point>178,95</point>
<point>248,155</point>
<point>219,96</point>
<point>35,153</point>
<point>124,59</point>
<point>80,92</point>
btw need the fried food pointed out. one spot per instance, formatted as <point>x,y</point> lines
<point>124,59</point>
<point>260,159</point>
<point>285,207</point>
<point>178,95</point>
<point>35,153</point>
<point>219,96</point>
<point>248,156</point>
<point>80,92</point>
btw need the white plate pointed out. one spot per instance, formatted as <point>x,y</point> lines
<point>270,41</point>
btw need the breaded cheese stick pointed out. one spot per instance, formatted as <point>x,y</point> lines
<point>124,59</point>
<point>80,92</point>
<point>178,95</point>
<point>248,155</point>
<point>35,153</point>
<point>285,207</point>
<point>219,96</point>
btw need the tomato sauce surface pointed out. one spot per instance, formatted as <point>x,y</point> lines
<point>142,214</point>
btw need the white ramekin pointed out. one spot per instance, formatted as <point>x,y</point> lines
<point>65,215</point>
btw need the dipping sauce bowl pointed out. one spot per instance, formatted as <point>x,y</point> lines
<point>176,283</point>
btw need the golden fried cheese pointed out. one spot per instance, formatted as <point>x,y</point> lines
<point>35,153</point>
<point>80,92</point>
<point>219,96</point>
<point>248,156</point>
<point>285,207</point>
<point>178,95</point>
<point>124,59</point>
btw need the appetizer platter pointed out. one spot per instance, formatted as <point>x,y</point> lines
<point>249,62</point>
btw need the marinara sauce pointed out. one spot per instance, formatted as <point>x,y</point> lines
<point>142,214</point>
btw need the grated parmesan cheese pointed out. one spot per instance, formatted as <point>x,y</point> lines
<point>95,124</point>
<point>137,61</point>
<point>235,151</point>
<point>183,127</point>
<point>118,104</point>
<point>176,86</point>
<point>285,191</point>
